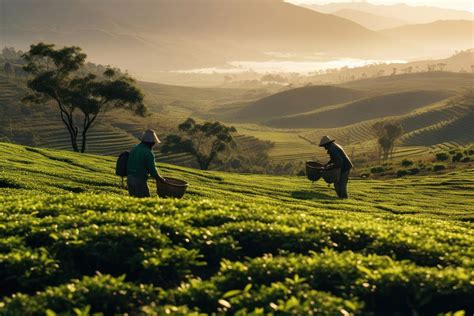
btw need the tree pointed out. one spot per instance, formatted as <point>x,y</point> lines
<point>9,53</point>
<point>58,75</point>
<point>273,78</point>
<point>387,135</point>
<point>441,66</point>
<point>203,141</point>
<point>8,69</point>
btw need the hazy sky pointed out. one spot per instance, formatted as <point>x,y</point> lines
<point>467,5</point>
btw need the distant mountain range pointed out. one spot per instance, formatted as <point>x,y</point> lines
<point>411,14</point>
<point>164,34</point>
<point>370,20</point>
<point>436,35</point>
<point>146,36</point>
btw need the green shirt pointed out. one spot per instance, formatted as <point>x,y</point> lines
<point>141,162</point>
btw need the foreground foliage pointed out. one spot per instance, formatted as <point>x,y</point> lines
<point>236,245</point>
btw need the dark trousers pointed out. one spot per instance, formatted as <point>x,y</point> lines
<point>341,186</point>
<point>138,187</point>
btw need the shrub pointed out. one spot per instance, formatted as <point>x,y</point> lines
<point>439,167</point>
<point>442,156</point>
<point>407,163</point>
<point>401,173</point>
<point>457,157</point>
<point>104,293</point>
<point>414,171</point>
<point>377,169</point>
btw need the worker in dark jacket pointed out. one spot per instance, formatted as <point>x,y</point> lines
<point>339,159</point>
<point>141,163</point>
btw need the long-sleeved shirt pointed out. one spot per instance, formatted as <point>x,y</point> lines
<point>141,162</point>
<point>339,158</point>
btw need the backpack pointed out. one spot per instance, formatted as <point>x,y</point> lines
<point>121,166</point>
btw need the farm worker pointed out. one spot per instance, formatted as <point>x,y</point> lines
<point>141,163</point>
<point>339,159</point>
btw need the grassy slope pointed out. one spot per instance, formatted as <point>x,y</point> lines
<point>414,234</point>
<point>296,101</point>
<point>305,99</point>
<point>381,106</point>
<point>424,80</point>
<point>436,125</point>
<point>191,100</point>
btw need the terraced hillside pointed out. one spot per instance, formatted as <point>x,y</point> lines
<point>443,125</point>
<point>72,242</point>
<point>41,125</point>
<point>424,125</point>
<point>420,101</point>
<point>116,132</point>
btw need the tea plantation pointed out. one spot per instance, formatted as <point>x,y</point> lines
<point>73,243</point>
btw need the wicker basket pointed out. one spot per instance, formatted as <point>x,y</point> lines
<point>331,175</point>
<point>313,170</point>
<point>173,188</point>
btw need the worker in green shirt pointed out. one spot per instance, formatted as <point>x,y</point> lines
<point>141,163</point>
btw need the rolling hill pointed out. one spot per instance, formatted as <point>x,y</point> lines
<point>382,106</point>
<point>295,101</point>
<point>118,131</point>
<point>435,80</point>
<point>299,101</point>
<point>181,34</point>
<point>441,125</point>
<point>369,20</point>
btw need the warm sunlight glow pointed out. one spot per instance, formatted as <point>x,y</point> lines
<point>451,4</point>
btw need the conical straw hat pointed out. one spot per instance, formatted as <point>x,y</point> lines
<point>150,137</point>
<point>326,140</point>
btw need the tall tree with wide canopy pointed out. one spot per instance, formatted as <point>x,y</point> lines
<point>59,75</point>
<point>203,141</point>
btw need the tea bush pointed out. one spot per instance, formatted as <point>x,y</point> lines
<point>377,169</point>
<point>402,173</point>
<point>237,244</point>
<point>442,156</point>
<point>457,157</point>
<point>439,167</point>
<point>407,163</point>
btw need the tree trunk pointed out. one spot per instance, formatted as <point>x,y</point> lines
<point>87,124</point>
<point>74,142</point>
<point>211,158</point>
<point>84,141</point>
<point>72,130</point>
<point>69,122</point>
